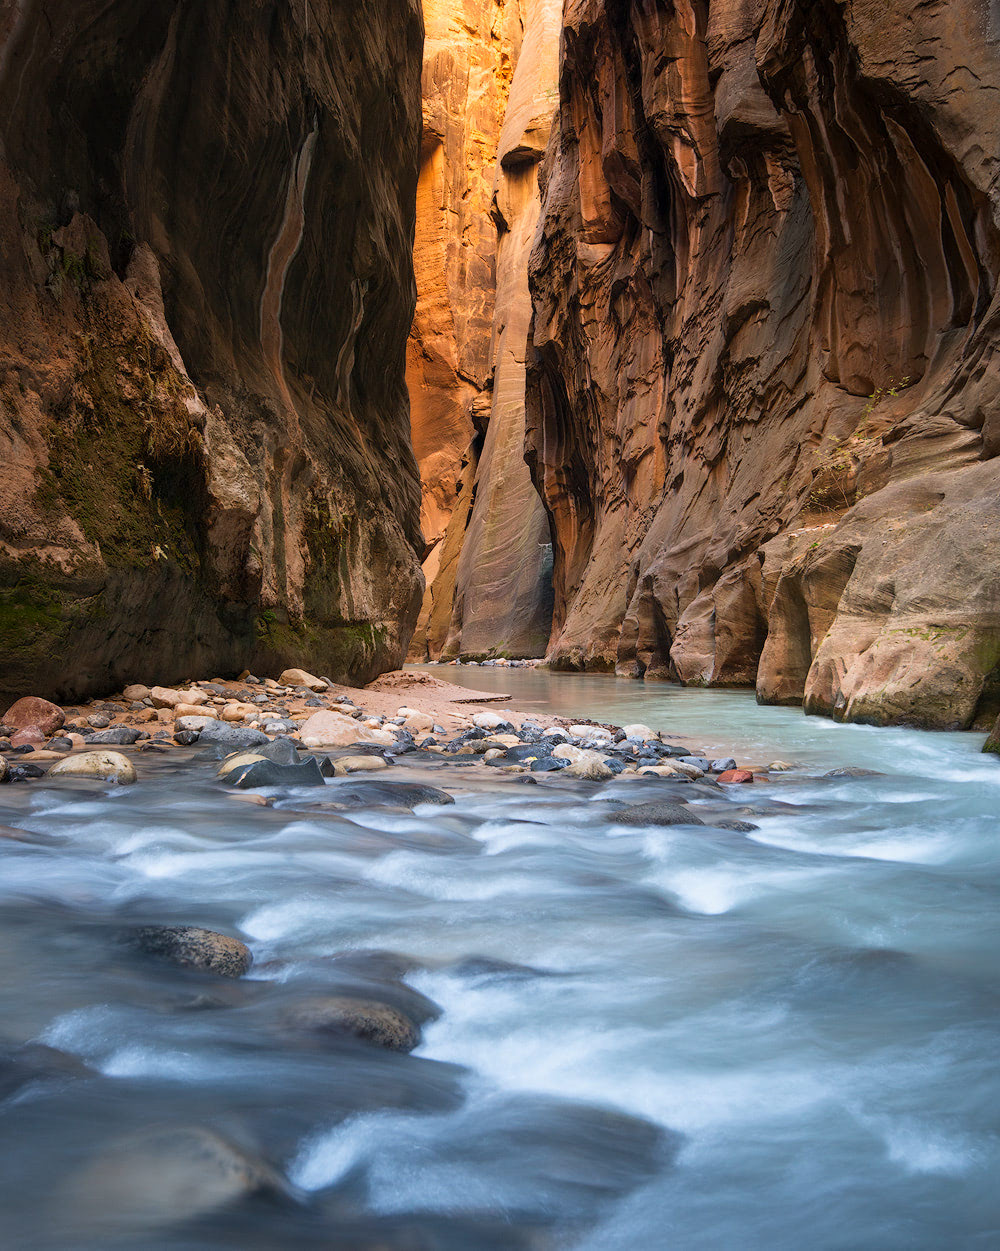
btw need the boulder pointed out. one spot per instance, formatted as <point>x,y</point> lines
<point>105,766</point>
<point>299,677</point>
<point>656,813</point>
<point>186,725</point>
<point>373,1022</point>
<point>193,710</point>
<point>136,694</point>
<point>165,697</point>
<point>254,772</point>
<point>220,734</point>
<point>281,751</point>
<point>358,764</point>
<point>33,711</point>
<point>191,947</point>
<point>118,735</point>
<point>735,777</point>
<point>723,766</point>
<point>332,729</point>
<point>164,1176</point>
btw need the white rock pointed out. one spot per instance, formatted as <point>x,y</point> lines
<point>108,766</point>
<point>589,731</point>
<point>555,731</point>
<point>639,731</point>
<point>193,721</point>
<point>194,710</point>
<point>385,738</point>
<point>299,677</point>
<point>592,770</point>
<point>358,764</point>
<point>566,751</point>
<point>332,729</point>
<point>165,697</point>
<point>194,696</point>
<point>487,720</point>
<point>416,721</point>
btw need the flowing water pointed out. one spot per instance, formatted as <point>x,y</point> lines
<point>648,1038</point>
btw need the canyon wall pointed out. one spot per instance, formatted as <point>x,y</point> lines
<point>763,393</point>
<point>206,224</point>
<point>490,71</point>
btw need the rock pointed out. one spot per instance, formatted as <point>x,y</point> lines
<point>992,743</point>
<point>184,710</point>
<point>416,721</point>
<point>99,721</point>
<point>239,712</point>
<point>32,711</point>
<point>656,813</point>
<point>164,1176</point>
<point>281,751</point>
<point>489,721</point>
<point>590,769</point>
<point>105,766</point>
<point>358,764</point>
<point>734,777</point>
<point>738,827</point>
<point>701,763</point>
<point>188,724</point>
<point>863,582</point>
<point>780,766</point>
<point>852,771</point>
<point>299,677</point>
<point>331,729</point>
<point>4,771</point>
<point>34,1062</point>
<point>638,731</point>
<point>120,735</point>
<point>191,947</point>
<point>490,755</point>
<point>548,764</point>
<point>395,794</point>
<point>185,738</point>
<point>589,731</point>
<point>136,694</point>
<point>219,734</point>
<point>254,772</point>
<point>165,697</point>
<point>722,766</point>
<point>373,1022</point>
<point>30,737</point>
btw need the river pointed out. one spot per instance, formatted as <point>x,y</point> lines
<point>681,1038</point>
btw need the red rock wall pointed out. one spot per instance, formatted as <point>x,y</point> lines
<point>762,404</point>
<point>206,224</point>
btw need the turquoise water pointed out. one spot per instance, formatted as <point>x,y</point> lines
<point>682,1037</point>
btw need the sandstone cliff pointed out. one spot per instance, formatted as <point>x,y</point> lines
<point>763,402</point>
<point>490,70</point>
<point>206,222</point>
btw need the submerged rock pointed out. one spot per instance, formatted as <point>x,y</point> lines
<point>107,766</point>
<point>655,814</point>
<point>163,1176</point>
<point>191,947</point>
<point>378,1023</point>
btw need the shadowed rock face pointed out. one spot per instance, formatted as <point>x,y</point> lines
<point>762,413</point>
<point>206,220</point>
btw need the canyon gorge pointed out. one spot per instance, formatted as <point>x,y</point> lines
<point>695,300</point>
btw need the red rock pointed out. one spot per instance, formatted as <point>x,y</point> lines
<point>32,711</point>
<point>29,737</point>
<point>733,777</point>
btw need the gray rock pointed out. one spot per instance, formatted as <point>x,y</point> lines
<point>191,947</point>
<point>721,766</point>
<point>655,814</point>
<point>99,720</point>
<point>279,727</point>
<point>223,734</point>
<point>259,773</point>
<point>740,827</point>
<point>394,794</point>
<point>549,764</point>
<point>853,772</point>
<point>698,762</point>
<point>119,735</point>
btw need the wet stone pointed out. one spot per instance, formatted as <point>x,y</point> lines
<point>191,947</point>
<point>380,1024</point>
<point>655,814</point>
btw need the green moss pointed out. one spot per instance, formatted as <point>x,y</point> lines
<point>127,471</point>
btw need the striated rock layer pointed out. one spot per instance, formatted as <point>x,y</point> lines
<point>206,222</point>
<point>490,72</point>
<point>763,404</point>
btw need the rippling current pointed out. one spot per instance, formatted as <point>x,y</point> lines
<point>648,1038</point>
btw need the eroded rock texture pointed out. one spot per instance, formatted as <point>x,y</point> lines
<point>206,222</point>
<point>763,411</point>
<point>490,71</point>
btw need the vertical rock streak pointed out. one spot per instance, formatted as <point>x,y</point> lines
<point>283,251</point>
